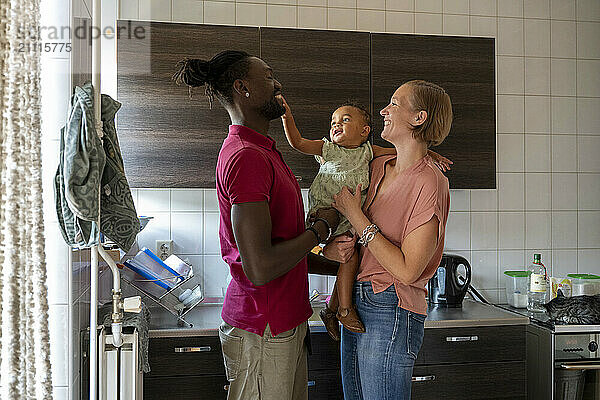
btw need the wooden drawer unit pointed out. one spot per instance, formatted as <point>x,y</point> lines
<point>325,353</point>
<point>476,344</point>
<point>325,384</point>
<point>210,387</point>
<point>185,356</point>
<point>475,381</point>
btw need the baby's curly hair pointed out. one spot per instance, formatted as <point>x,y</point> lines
<point>365,114</point>
<point>363,110</point>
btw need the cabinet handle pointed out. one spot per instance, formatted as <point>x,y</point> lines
<point>226,387</point>
<point>423,378</point>
<point>311,383</point>
<point>576,366</point>
<point>201,349</point>
<point>462,338</point>
<point>298,178</point>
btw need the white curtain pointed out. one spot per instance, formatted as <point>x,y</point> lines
<point>24,343</point>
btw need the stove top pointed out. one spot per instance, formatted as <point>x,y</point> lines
<point>542,319</point>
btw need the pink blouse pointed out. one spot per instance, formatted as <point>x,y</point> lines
<point>412,199</point>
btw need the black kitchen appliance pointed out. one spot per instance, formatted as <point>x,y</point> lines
<point>450,283</point>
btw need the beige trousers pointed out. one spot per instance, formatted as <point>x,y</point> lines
<point>265,368</point>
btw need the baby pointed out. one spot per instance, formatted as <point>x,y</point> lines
<point>344,159</point>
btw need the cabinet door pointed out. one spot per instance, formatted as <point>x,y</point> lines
<point>473,344</point>
<point>209,387</point>
<point>486,381</point>
<point>464,67</point>
<point>319,70</point>
<point>168,139</point>
<point>325,385</point>
<point>185,356</point>
<point>325,352</point>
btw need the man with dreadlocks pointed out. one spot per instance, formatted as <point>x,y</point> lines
<point>262,233</point>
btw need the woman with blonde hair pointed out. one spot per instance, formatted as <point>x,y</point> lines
<point>401,229</point>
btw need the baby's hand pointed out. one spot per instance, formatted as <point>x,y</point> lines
<point>440,161</point>
<point>288,111</point>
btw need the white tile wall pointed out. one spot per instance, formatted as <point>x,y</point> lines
<point>188,11</point>
<point>564,115</point>
<point>281,16</point>
<point>510,8</point>
<point>399,22</point>
<point>370,20</point>
<point>457,25</point>
<point>560,9</point>
<point>548,138</point>
<point>312,17</point>
<point>456,7</point>
<point>563,77</point>
<point>428,24</point>
<point>548,86</point>
<point>547,56</point>
<point>428,6</point>
<point>341,18</point>
<point>55,88</point>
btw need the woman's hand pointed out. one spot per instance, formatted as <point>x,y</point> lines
<point>340,249</point>
<point>347,203</point>
<point>440,161</point>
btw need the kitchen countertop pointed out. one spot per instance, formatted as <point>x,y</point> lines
<point>206,319</point>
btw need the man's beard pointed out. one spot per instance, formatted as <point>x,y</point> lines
<point>272,109</point>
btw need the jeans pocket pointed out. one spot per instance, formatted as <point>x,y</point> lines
<point>386,299</point>
<point>232,353</point>
<point>416,329</point>
<point>283,337</point>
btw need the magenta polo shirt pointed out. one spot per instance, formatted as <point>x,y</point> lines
<point>251,169</point>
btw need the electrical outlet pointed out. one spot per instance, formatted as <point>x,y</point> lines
<point>164,248</point>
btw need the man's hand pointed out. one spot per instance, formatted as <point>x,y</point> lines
<point>329,214</point>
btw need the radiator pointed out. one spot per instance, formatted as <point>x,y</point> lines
<point>119,377</point>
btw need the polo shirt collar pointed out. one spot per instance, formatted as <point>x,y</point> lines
<point>252,136</point>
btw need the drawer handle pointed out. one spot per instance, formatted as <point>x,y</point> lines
<point>226,387</point>
<point>311,383</point>
<point>462,338</point>
<point>298,178</point>
<point>575,366</point>
<point>423,378</point>
<point>201,349</point>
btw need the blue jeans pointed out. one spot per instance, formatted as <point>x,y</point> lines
<point>378,364</point>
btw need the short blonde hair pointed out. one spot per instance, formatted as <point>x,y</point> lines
<point>435,101</point>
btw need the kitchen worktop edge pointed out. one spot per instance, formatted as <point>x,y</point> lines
<point>472,314</point>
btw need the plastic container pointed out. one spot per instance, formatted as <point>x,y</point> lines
<point>584,284</point>
<point>516,288</point>
<point>568,384</point>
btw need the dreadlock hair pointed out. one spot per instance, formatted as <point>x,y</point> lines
<point>218,74</point>
<point>364,112</point>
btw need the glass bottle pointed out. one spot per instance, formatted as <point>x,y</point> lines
<point>538,285</point>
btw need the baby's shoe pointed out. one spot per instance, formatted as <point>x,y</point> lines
<point>331,323</point>
<point>350,319</point>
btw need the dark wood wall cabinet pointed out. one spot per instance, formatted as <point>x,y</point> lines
<point>170,140</point>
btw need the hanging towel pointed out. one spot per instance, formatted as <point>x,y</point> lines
<point>77,179</point>
<point>90,167</point>
<point>118,218</point>
<point>139,321</point>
